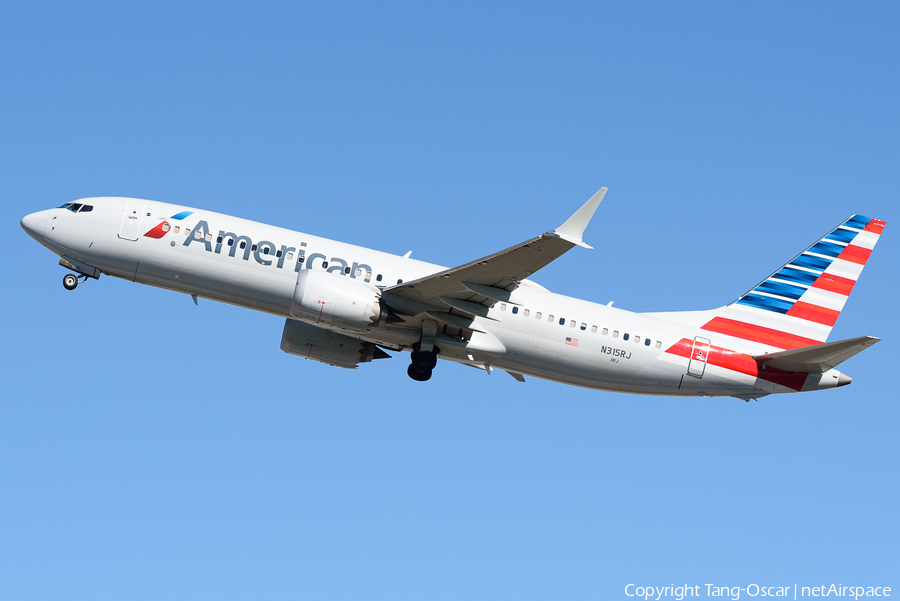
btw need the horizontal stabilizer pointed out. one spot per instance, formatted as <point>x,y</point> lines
<point>818,358</point>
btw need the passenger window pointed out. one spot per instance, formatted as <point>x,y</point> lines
<point>584,326</point>
<point>230,240</point>
<point>624,336</point>
<point>646,342</point>
<point>378,278</point>
<point>278,254</point>
<point>593,329</point>
<point>515,310</point>
<point>526,312</point>
<point>243,244</point>
<point>209,237</point>
<point>399,282</point>
<point>658,344</point>
<point>198,234</point>
<point>572,324</point>
<point>266,250</point>
<point>324,264</point>
<point>537,315</point>
<point>368,275</point>
<point>550,318</point>
<point>615,333</point>
<point>503,306</point>
<point>605,331</point>
<point>358,271</point>
<point>637,339</point>
<point>289,256</point>
<point>253,248</point>
<point>187,232</point>
<point>218,240</point>
<point>346,270</point>
<point>177,228</point>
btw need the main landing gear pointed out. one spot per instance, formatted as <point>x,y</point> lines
<point>422,364</point>
<point>424,353</point>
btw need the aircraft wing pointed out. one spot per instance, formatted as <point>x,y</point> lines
<point>819,358</point>
<point>473,287</point>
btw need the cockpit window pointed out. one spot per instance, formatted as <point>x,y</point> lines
<point>77,207</point>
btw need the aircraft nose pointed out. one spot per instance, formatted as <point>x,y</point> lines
<point>34,224</point>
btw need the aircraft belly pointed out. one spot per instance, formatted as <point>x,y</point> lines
<point>223,279</point>
<point>619,366</point>
<point>578,360</point>
<point>240,285</point>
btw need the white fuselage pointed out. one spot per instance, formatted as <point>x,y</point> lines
<point>541,334</point>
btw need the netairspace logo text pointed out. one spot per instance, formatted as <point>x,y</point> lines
<point>678,593</point>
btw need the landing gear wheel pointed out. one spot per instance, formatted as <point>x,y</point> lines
<point>418,376</point>
<point>70,281</point>
<point>424,361</point>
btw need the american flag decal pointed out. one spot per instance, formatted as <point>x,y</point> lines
<point>571,341</point>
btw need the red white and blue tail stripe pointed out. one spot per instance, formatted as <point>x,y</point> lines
<point>797,305</point>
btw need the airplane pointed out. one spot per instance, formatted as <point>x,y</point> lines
<point>344,305</point>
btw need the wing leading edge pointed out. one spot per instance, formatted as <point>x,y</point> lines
<point>471,286</point>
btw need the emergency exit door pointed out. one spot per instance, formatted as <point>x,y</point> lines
<point>131,221</point>
<point>699,357</point>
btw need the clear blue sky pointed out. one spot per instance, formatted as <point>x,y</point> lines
<point>151,449</point>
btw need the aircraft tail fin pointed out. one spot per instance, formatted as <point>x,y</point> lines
<point>817,359</point>
<point>797,305</point>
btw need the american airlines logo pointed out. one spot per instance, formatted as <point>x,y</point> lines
<point>264,252</point>
<point>163,228</point>
<point>159,231</point>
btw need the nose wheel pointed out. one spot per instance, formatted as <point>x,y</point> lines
<point>70,280</point>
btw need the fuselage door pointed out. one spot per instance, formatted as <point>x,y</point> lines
<point>699,357</point>
<point>131,220</point>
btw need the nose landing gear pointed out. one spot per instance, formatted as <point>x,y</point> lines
<point>70,280</point>
<point>82,272</point>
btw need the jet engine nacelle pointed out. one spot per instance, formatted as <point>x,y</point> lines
<point>327,346</point>
<point>329,300</point>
